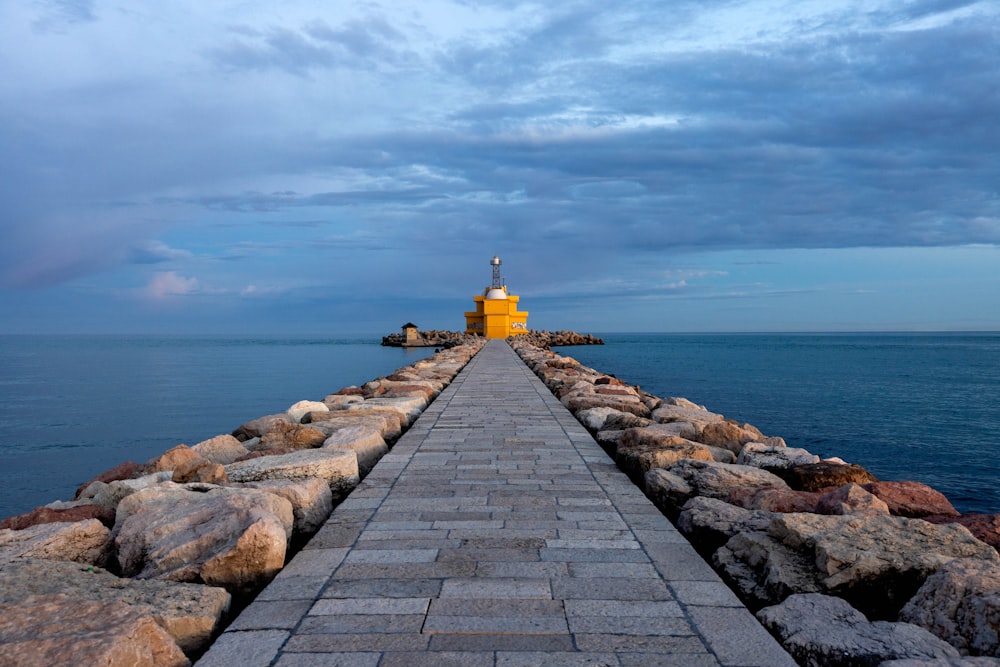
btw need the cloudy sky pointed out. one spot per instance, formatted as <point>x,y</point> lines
<point>343,167</point>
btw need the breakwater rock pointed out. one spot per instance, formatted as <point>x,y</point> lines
<point>447,339</point>
<point>844,569</point>
<point>150,560</point>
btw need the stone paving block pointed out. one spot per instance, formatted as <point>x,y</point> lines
<point>377,605</point>
<point>314,562</point>
<point>520,625</point>
<point>366,659</point>
<point>271,615</point>
<point>361,624</point>
<point>593,555</point>
<point>705,593</point>
<point>293,588</point>
<point>477,642</point>
<point>604,570</point>
<point>439,659</point>
<point>355,643</point>
<point>522,569</point>
<point>610,589</point>
<point>496,588</point>
<point>640,643</point>
<point>631,625</point>
<point>388,587</point>
<point>240,649</point>
<point>667,660</point>
<point>549,659</point>
<point>737,638</point>
<point>680,562</point>
<point>391,556</point>
<point>615,608</point>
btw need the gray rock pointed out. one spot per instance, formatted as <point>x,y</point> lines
<point>960,603</point>
<point>594,418</point>
<point>338,468</point>
<point>876,563</point>
<point>191,613</point>
<point>704,478</point>
<point>964,661</point>
<point>677,413</point>
<point>708,523</point>
<point>824,631</point>
<point>773,457</point>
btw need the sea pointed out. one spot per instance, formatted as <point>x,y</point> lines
<point>923,407</point>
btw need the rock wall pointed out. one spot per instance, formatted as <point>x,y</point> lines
<point>844,569</point>
<point>149,561</point>
<point>446,339</point>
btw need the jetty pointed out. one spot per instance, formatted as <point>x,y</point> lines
<point>496,532</point>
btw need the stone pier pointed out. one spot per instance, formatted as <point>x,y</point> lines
<point>496,532</point>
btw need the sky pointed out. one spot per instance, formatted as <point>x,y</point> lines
<point>340,168</point>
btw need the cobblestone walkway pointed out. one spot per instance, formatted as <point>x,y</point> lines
<point>496,533</point>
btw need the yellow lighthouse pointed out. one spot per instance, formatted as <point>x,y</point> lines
<point>496,314</point>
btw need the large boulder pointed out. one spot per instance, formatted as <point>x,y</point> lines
<point>48,630</point>
<point>825,475</point>
<point>338,468</point>
<point>302,408</point>
<point>199,470</point>
<point>70,514</point>
<point>682,413</point>
<point>230,537</point>
<point>626,403</point>
<point>338,401</point>
<point>310,497</point>
<point>170,459</point>
<point>875,562</point>
<point>407,408</point>
<point>774,457</point>
<point>670,488</point>
<point>365,442</point>
<point>594,418</point>
<point>851,499</point>
<point>111,493</point>
<point>288,437</point>
<point>636,458</point>
<point>395,422</point>
<point>388,425</point>
<point>86,542</point>
<point>222,449</point>
<point>256,428</point>
<point>776,499</point>
<point>708,523</point>
<point>125,470</point>
<point>911,499</point>
<point>729,435</point>
<point>191,613</point>
<point>985,527</point>
<point>960,603</point>
<point>824,631</point>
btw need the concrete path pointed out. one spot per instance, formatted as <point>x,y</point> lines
<point>496,532</point>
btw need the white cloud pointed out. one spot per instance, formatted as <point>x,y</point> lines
<point>165,284</point>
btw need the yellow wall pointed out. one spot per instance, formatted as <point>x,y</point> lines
<point>496,318</point>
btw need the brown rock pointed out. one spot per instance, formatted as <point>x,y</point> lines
<point>81,542</point>
<point>49,630</point>
<point>291,437</point>
<point>670,488</point>
<point>41,515</point>
<point>258,427</point>
<point>229,537</point>
<point>775,499</point>
<point>191,613</point>
<point>171,458</point>
<point>126,470</point>
<point>636,458</point>
<point>200,470</point>
<point>729,435</point>
<point>851,499</point>
<point>911,499</point>
<point>310,497</point>
<point>824,475</point>
<point>622,403</point>
<point>222,449</point>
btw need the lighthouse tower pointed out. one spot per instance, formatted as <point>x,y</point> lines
<point>496,314</point>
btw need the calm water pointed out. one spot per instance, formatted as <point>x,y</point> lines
<point>923,407</point>
<point>920,407</point>
<point>73,406</point>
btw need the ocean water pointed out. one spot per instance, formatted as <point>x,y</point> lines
<point>921,407</point>
<point>74,406</point>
